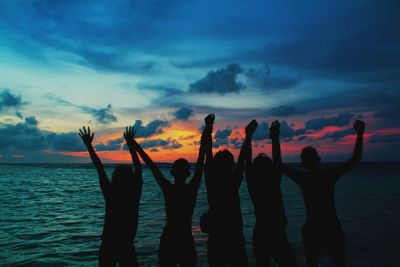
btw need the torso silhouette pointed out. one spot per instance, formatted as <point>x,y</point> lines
<point>224,201</point>
<point>267,198</point>
<point>179,205</point>
<point>318,189</point>
<point>121,216</point>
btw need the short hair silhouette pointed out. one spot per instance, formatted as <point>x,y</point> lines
<point>310,158</point>
<point>180,169</point>
<point>224,161</point>
<point>262,162</point>
<point>322,226</point>
<point>177,243</point>
<point>122,176</point>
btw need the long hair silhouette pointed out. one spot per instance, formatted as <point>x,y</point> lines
<point>122,196</point>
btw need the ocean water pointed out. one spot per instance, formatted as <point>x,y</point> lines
<point>52,215</point>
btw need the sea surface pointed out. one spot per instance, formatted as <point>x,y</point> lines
<point>52,215</point>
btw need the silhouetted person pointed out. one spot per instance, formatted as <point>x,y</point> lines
<point>322,227</point>
<point>177,244</point>
<point>122,197</point>
<point>263,178</point>
<point>226,245</point>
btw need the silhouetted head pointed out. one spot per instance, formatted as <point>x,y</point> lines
<point>180,170</point>
<point>264,170</point>
<point>122,179</point>
<point>262,164</point>
<point>224,162</point>
<point>310,158</point>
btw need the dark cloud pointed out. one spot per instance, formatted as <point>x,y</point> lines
<point>322,122</point>
<point>390,138</point>
<point>165,89</point>
<point>102,115</point>
<point>152,128</point>
<point>27,136</point>
<point>303,138</point>
<point>286,131</point>
<point>262,132</point>
<point>221,81</point>
<point>286,110</point>
<point>263,79</point>
<point>221,137</point>
<point>338,135</point>
<point>112,61</point>
<point>161,143</point>
<point>7,99</point>
<point>114,144</point>
<point>78,28</point>
<point>183,113</point>
<point>237,142</point>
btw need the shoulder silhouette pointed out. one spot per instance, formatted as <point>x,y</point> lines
<point>223,221</point>
<point>122,196</point>
<point>177,244</point>
<point>263,178</point>
<point>322,227</point>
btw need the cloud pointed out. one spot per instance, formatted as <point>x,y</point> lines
<point>262,131</point>
<point>338,135</point>
<point>286,110</point>
<point>322,122</point>
<point>221,137</point>
<point>102,115</point>
<point>152,128</point>
<point>161,143</point>
<point>237,142</point>
<point>183,113</point>
<point>221,81</point>
<point>263,79</point>
<point>114,144</point>
<point>27,136</point>
<point>7,99</point>
<point>390,138</point>
<point>286,131</point>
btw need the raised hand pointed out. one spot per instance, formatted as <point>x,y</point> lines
<point>129,133</point>
<point>359,126</point>
<point>251,128</point>
<point>274,130</point>
<point>209,120</point>
<point>87,138</point>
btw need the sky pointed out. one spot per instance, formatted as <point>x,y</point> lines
<point>162,66</point>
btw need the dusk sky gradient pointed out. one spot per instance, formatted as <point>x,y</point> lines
<point>164,65</point>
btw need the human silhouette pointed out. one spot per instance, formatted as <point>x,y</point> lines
<point>122,197</point>
<point>322,227</point>
<point>263,178</point>
<point>223,221</point>
<point>177,244</point>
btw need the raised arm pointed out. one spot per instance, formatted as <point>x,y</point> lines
<point>247,150</point>
<point>205,141</point>
<point>160,179</point>
<point>359,127</point>
<point>208,150</point>
<point>129,135</point>
<point>238,172</point>
<point>295,175</point>
<point>87,139</point>
<point>276,146</point>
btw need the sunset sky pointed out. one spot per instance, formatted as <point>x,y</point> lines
<point>164,65</point>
